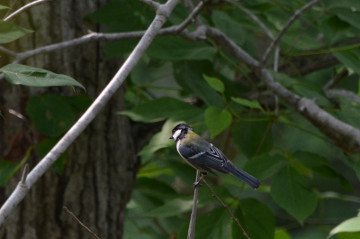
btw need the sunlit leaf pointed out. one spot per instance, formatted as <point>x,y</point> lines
<point>215,83</point>
<point>349,225</point>
<point>217,120</point>
<point>10,32</point>
<point>18,74</point>
<point>252,104</point>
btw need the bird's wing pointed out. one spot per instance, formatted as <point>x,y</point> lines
<point>205,156</point>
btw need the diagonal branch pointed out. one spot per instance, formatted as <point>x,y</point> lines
<point>21,190</point>
<point>285,28</point>
<point>235,219</point>
<point>343,135</point>
<point>20,10</point>
<point>191,229</point>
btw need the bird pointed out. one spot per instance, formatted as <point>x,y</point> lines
<point>204,156</point>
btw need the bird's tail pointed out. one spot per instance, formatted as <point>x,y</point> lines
<point>244,176</point>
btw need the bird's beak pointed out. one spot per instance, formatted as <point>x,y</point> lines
<point>171,137</point>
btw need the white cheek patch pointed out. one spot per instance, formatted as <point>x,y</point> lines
<point>176,134</point>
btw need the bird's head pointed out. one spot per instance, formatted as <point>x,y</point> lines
<point>180,131</point>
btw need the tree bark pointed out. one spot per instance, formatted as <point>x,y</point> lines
<point>101,166</point>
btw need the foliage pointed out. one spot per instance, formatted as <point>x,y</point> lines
<point>52,115</point>
<point>306,180</point>
<point>203,85</point>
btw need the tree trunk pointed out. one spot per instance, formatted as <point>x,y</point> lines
<point>101,165</point>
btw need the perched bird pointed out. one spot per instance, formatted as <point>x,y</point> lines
<point>204,156</point>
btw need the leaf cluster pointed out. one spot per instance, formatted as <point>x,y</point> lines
<point>203,85</point>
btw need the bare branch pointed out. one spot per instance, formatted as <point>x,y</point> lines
<point>338,77</point>
<point>20,10</point>
<point>253,17</point>
<point>78,221</point>
<point>7,51</point>
<point>285,28</point>
<point>343,135</point>
<point>191,17</point>
<point>235,219</point>
<point>191,229</point>
<point>99,103</point>
<point>25,173</point>
<point>344,93</point>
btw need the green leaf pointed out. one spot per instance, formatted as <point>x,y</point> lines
<point>265,165</point>
<point>189,75</point>
<point>290,193</point>
<point>281,233</point>
<point>213,225</point>
<point>176,49</point>
<point>10,32</point>
<point>30,76</point>
<point>146,73</point>
<point>256,219</point>
<point>349,225</point>
<point>43,147</point>
<point>347,15</point>
<point>217,120</point>
<point>171,208</point>
<point>252,104</point>
<point>349,59</point>
<point>253,138</point>
<point>8,169</point>
<point>158,141</point>
<point>215,83</point>
<point>229,26</point>
<point>51,114</point>
<point>162,108</point>
<point>2,7</point>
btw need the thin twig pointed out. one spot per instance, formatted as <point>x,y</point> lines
<point>336,79</point>
<point>78,221</point>
<point>7,51</point>
<point>151,3</point>
<point>253,17</point>
<point>20,10</point>
<point>18,195</point>
<point>235,219</point>
<point>269,35</point>
<point>24,174</point>
<point>191,229</point>
<point>285,28</point>
<point>191,17</point>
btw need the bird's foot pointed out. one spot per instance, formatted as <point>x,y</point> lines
<point>197,183</point>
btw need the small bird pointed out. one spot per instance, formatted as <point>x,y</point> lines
<point>204,156</point>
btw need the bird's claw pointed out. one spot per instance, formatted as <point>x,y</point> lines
<point>197,184</point>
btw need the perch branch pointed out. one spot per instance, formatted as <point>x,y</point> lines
<point>235,219</point>
<point>15,198</point>
<point>20,10</point>
<point>285,28</point>
<point>191,229</point>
